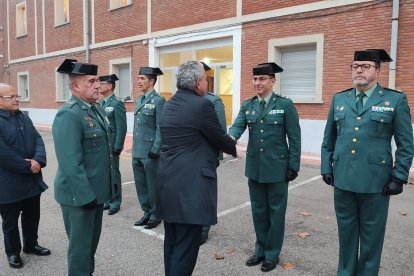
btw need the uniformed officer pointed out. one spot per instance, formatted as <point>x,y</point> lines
<point>85,177</point>
<point>221,116</point>
<point>116,114</point>
<point>271,161</point>
<point>357,161</point>
<point>146,144</point>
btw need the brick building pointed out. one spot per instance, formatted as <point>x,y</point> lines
<point>313,41</point>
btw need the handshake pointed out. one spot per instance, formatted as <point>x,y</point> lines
<point>394,187</point>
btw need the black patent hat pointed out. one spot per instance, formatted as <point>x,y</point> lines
<point>268,68</point>
<point>72,66</point>
<point>376,55</point>
<point>150,71</point>
<point>109,78</point>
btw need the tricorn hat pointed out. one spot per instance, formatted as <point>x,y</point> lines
<point>268,68</point>
<point>109,78</point>
<point>205,66</point>
<point>377,55</point>
<point>150,71</point>
<point>72,66</point>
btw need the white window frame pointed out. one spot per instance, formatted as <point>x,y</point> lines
<point>60,12</point>
<point>21,19</point>
<point>274,54</point>
<point>113,64</point>
<point>60,83</point>
<point>20,86</point>
<point>116,4</point>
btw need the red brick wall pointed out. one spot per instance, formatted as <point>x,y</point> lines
<point>252,6</point>
<point>22,46</point>
<point>3,41</point>
<point>370,27</point>
<point>173,14</point>
<point>119,23</point>
<point>63,36</point>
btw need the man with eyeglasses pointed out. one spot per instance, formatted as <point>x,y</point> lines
<point>116,114</point>
<point>22,157</point>
<point>85,177</point>
<point>357,161</point>
<point>272,160</point>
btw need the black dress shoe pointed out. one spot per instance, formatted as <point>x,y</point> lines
<point>204,238</point>
<point>106,207</point>
<point>152,224</point>
<point>15,261</point>
<point>113,211</point>
<point>142,221</point>
<point>37,250</point>
<point>254,260</point>
<point>269,265</point>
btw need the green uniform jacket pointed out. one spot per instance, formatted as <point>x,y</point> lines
<point>357,147</point>
<point>220,111</point>
<point>269,156</point>
<point>84,154</point>
<point>146,125</point>
<point>116,114</point>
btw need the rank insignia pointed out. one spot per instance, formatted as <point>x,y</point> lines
<point>89,120</point>
<point>247,112</point>
<point>341,108</point>
<point>337,108</point>
<point>387,103</point>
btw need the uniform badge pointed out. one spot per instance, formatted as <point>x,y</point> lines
<point>253,112</point>
<point>387,103</point>
<point>89,120</point>
<point>247,112</point>
<point>109,109</point>
<point>337,108</point>
<point>341,108</point>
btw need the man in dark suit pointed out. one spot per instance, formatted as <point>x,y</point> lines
<point>356,159</point>
<point>85,178</point>
<point>116,114</point>
<point>191,138</point>
<point>22,157</point>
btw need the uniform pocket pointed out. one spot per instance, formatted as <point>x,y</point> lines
<point>382,159</point>
<point>339,119</point>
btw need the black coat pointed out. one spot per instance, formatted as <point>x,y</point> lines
<point>19,140</point>
<point>191,137</point>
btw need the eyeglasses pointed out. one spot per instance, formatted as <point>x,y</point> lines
<point>18,97</point>
<point>260,78</point>
<point>364,67</point>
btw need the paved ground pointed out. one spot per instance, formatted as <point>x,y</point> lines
<point>125,250</point>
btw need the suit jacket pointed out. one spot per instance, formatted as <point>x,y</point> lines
<point>269,155</point>
<point>357,146</point>
<point>187,179</point>
<point>19,140</point>
<point>83,146</point>
<point>116,114</point>
<point>147,115</point>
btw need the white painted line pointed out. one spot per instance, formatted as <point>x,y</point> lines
<point>129,182</point>
<point>149,232</point>
<point>231,210</point>
<point>304,182</point>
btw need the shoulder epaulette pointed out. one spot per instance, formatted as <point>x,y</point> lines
<point>69,103</point>
<point>346,90</point>
<point>251,98</point>
<point>392,90</point>
<point>283,97</point>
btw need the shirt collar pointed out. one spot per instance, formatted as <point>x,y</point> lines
<point>368,92</point>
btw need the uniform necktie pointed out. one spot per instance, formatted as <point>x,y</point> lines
<point>97,114</point>
<point>360,102</point>
<point>142,98</point>
<point>262,105</point>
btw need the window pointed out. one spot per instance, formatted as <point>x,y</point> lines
<point>302,61</point>
<point>23,85</point>
<point>61,12</point>
<point>114,4</point>
<point>21,20</point>
<point>122,68</point>
<point>62,87</point>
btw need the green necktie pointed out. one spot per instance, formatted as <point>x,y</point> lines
<point>360,102</point>
<point>142,98</point>
<point>262,105</point>
<point>97,114</point>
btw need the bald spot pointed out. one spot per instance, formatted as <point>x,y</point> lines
<point>6,89</point>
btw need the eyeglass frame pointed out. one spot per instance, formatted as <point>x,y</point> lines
<point>261,78</point>
<point>11,97</point>
<point>355,67</point>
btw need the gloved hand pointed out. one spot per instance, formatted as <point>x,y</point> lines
<point>291,175</point>
<point>153,155</point>
<point>117,151</point>
<point>328,178</point>
<point>394,187</point>
<point>90,205</point>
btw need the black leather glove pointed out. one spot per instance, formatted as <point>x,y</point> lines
<point>291,175</point>
<point>117,151</point>
<point>394,187</point>
<point>153,155</point>
<point>328,178</point>
<point>90,205</point>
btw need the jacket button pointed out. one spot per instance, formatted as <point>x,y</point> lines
<point>359,118</point>
<point>261,121</point>
<point>261,149</point>
<point>353,151</point>
<point>383,161</point>
<point>248,121</point>
<point>354,140</point>
<point>261,140</point>
<point>261,130</point>
<point>357,128</point>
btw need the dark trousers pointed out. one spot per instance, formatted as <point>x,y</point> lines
<point>181,245</point>
<point>30,215</point>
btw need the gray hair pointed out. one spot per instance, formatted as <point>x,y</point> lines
<point>188,74</point>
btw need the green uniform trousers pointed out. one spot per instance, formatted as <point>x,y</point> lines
<point>268,201</point>
<point>362,219</point>
<point>117,200</point>
<point>83,228</point>
<point>145,175</point>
